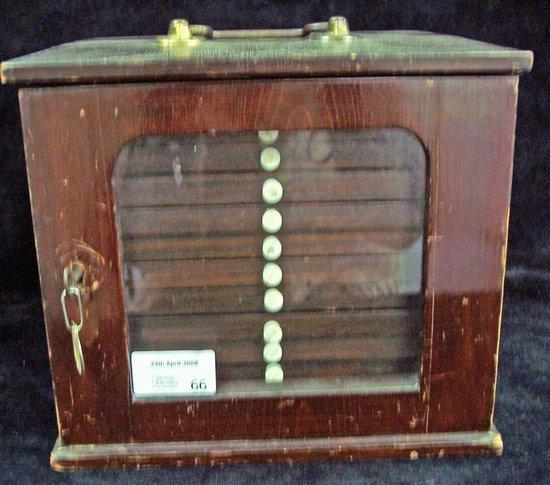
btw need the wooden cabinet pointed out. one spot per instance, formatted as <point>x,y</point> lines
<point>188,190</point>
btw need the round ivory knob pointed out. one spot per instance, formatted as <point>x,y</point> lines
<point>274,374</point>
<point>272,332</point>
<point>272,275</point>
<point>268,136</point>
<point>273,352</point>
<point>272,221</point>
<point>273,300</point>
<point>270,159</point>
<point>271,248</point>
<point>272,191</point>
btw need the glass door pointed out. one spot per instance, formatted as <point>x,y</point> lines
<point>273,262</point>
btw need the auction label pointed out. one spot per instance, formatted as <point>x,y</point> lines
<point>174,372</point>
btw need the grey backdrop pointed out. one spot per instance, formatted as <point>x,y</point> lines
<point>27,421</point>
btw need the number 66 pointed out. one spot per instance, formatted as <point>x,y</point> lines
<point>195,384</point>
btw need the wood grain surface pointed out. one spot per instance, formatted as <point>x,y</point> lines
<point>372,53</point>
<point>375,241</point>
<point>73,136</point>
<point>223,219</point>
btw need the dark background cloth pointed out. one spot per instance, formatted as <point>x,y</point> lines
<point>27,418</point>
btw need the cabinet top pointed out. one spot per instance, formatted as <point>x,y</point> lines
<point>324,49</point>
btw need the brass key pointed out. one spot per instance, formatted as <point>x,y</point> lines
<point>73,327</point>
<point>77,348</point>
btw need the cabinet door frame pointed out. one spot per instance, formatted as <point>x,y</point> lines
<point>72,139</point>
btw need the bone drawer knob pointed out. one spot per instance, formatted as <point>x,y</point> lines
<point>273,333</point>
<point>272,221</point>
<point>273,352</point>
<point>272,275</point>
<point>268,136</point>
<point>274,374</point>
<point>271,248</point>
<point>273,300</point>
<point>272,191</point>
<point>270,159</point>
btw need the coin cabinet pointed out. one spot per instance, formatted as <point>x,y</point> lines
<point>270,245</point>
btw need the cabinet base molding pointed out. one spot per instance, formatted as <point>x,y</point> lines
<point>212,453</point>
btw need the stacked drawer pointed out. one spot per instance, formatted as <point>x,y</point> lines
<point>272,274</point>
<point>200,221</point>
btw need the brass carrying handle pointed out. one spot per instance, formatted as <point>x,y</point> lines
<point>180,31</point>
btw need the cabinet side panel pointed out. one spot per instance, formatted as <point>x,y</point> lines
<point>69,184</point>
<point>470,206</point>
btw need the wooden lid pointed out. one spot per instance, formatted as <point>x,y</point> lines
<point>325,49</point>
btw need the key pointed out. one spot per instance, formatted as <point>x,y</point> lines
<point>77,348</point>
<point>74,328</point>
